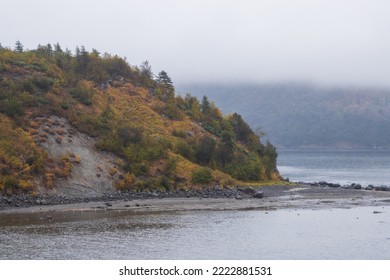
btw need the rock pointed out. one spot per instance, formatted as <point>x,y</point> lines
<point>41,201</point>
<point>248,190</point>
<point>190,133</point>
<point>258,194</point>
<point>239,197</point>
<point>376,212</point>
<point>357,187</point>
<point>382,188</point>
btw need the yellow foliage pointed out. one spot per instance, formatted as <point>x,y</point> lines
<point>49,180</point>
<point>60,131</point>
<point>25,184</point>
<point>33,131</point>
<point>66,167</point>
<point>100,167</point>
<point>112,171</point>
<point>126,182</point>
<point>34,124</point>
<point>20,157</point>
<point>101,111</point>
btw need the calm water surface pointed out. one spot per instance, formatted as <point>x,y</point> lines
<point>355,233</point>
<point>344,167</point>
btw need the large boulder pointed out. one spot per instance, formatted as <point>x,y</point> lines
<point>258,194</point>
<point>248,190</point>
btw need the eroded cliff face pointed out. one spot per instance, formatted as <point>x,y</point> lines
<point>86,171</point>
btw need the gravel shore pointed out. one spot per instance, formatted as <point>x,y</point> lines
<point>300,196</point>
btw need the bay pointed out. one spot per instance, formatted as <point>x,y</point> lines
<point>343,167</point>
<point>356,233</point>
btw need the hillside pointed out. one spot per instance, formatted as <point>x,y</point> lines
<point>87,123</point>
<point>299,116</point>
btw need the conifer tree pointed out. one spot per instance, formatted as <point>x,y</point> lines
<point>205,107</point>
<point>18,46</point>
<point>57,49</point>
<point>164,79</point>
<point>165,85</point>
<point>146,70</point>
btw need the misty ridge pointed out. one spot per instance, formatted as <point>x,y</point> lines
<point>306,116</point>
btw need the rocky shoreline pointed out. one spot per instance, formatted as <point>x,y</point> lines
<point>300,190</point>
<point>25,200</point>
<point>351,186</point>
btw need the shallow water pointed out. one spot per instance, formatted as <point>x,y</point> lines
<point>355,233</point>
<point>343,167</point>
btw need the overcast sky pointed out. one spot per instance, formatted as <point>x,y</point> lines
<point>324,41</point>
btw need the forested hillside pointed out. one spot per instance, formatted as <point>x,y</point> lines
<point>297,116</point>
<point>162,141</point>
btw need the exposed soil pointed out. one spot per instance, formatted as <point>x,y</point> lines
<point>90,176</point>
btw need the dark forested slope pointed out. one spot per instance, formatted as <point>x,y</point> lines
<point>308,116</point>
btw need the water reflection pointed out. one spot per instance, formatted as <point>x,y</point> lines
<point>355,233</point>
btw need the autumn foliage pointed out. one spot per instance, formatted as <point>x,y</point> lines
<point>165,141</point>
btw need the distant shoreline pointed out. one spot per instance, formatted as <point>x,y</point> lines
<point>330,149</point>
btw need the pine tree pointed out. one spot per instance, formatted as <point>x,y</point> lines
<point>57,49</point>
<point>77,51</point>
<point>82,59</point>
<point>205,107</point>
<point>18,46</point>
<point>165,85</point>
<point>164,79</point>
<point>49,50</point>
<point>146,70</point>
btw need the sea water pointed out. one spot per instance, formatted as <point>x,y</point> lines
<point>343,167</point>
<point>356,233</point>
